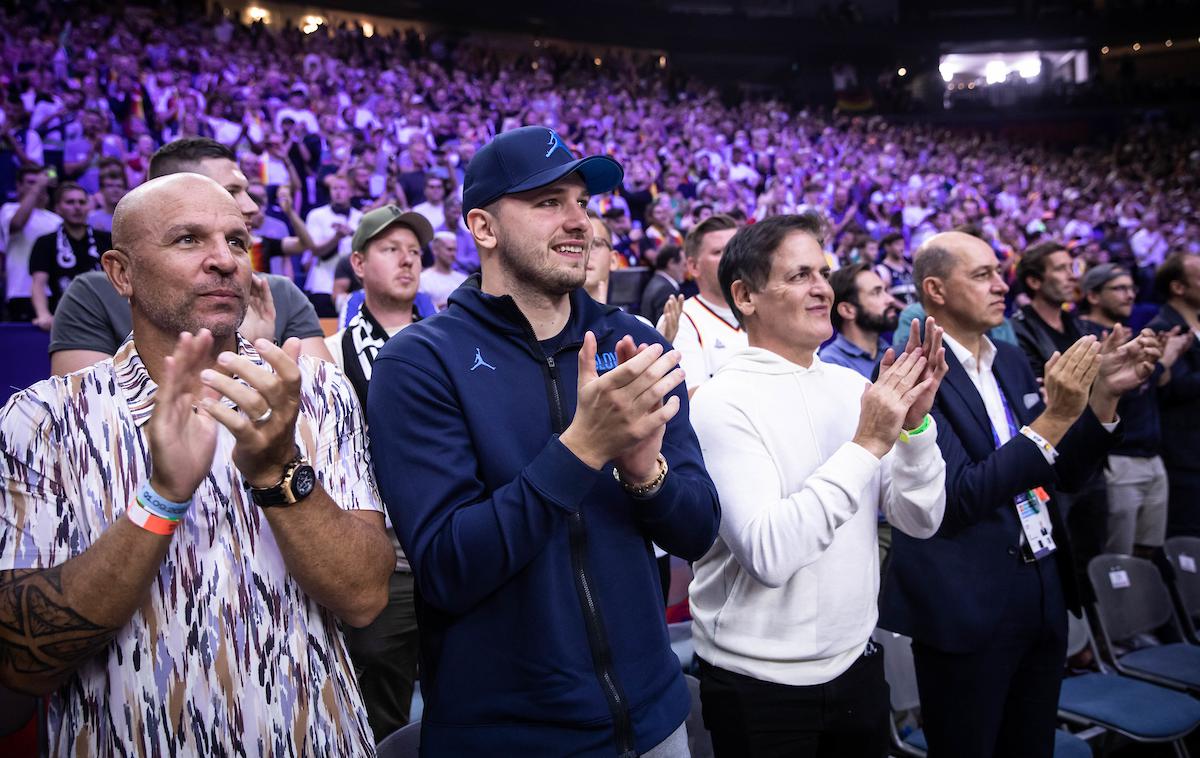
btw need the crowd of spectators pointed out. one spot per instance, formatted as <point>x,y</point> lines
<point>345,157</point>
<point>345,123</point>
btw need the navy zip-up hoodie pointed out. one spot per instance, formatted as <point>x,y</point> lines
<point>541,621</point>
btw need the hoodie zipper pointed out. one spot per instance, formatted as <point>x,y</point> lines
<point>577,531</point>
<point>598,640</point>
<point>560,422</point>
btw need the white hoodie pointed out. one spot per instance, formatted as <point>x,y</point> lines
<point>787,594</point>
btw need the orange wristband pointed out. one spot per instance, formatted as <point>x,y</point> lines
<point>150,522</point>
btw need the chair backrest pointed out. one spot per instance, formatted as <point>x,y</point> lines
<point>898,669</point>
<point>699,740</point>
<point>405,742</point>
<point>1131,597</point>
<point>1184,554</point>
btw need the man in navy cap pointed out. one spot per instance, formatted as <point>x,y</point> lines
<point>530,444</point>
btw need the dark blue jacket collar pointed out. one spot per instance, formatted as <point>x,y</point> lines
<point>502,313</point>
<point>1007,373</point>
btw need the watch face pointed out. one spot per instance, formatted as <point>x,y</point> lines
<point>304,480</point>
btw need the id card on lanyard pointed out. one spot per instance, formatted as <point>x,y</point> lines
<point>1037,541</point>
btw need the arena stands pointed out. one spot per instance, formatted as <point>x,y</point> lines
<point>330,124</point>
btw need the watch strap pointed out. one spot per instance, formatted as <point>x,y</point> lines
<point>279,493</point>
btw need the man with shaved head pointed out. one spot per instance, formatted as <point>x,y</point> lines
<point>93,320</point>
<point>181,525</point>
<point>985,598</point>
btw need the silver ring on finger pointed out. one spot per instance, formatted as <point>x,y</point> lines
<point>265,417</point>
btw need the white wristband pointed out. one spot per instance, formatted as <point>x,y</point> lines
<point>1048,450</point>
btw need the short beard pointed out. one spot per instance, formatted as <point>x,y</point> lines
<point>177,317</point>
<point>175,314</point>
<point>389,302</point>
<point>526,273</point>
<point>1113,316</point>
<point>877,324</point>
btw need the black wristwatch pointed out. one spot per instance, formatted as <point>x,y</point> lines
<point>298,482</point>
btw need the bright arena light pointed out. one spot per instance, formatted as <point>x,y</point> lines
<point>995,71</point>
<point>258,14</point>
<point>368,29</point>
<point>311,24</point>
<point>902,71</point>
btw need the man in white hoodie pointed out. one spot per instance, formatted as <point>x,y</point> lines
<point>804,455</point>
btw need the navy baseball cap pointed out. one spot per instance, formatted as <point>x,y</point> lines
<point>528,158</point>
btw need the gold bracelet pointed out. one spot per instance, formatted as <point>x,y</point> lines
<point>643,490</point>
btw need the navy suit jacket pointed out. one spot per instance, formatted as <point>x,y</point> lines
<point>949,591</point>
<point>654,297</point>
<point>1179,400</point>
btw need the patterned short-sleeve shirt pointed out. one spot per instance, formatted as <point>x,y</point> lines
<point>228,656</point>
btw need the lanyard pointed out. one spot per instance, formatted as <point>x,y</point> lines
<point>1008,416</point>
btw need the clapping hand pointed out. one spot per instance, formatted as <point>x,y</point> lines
<point>1174,344</point>
<point>886,403</point>
<point>622,416</point>
<point>936,367</point>
<point>182,438</point>
<point>668,322</point>
<point>259,321</point>
<point>267,403</point>
<point>1069,377</point>
<point>1126,363</point>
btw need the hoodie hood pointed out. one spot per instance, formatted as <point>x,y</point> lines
<point>758,360</point>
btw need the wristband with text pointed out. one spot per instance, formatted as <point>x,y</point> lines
<point>159,505</point>
<point>1042,443</point>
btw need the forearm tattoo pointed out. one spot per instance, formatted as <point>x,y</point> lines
<point>40,635</point>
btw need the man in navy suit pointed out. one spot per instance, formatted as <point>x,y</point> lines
<point>985,599</point>
<point>669,270</point>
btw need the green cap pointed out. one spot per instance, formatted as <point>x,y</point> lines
<point>374,222</point>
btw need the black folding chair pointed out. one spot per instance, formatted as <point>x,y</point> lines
<point>405,742</point>
<point>1138,710</point>
<point>1183,553</point>
<point>1132,600</point>
<point>901,675</point>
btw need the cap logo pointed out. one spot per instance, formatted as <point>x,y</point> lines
<point>555,143</point>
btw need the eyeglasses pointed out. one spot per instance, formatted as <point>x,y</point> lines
<point>1125,289</point>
